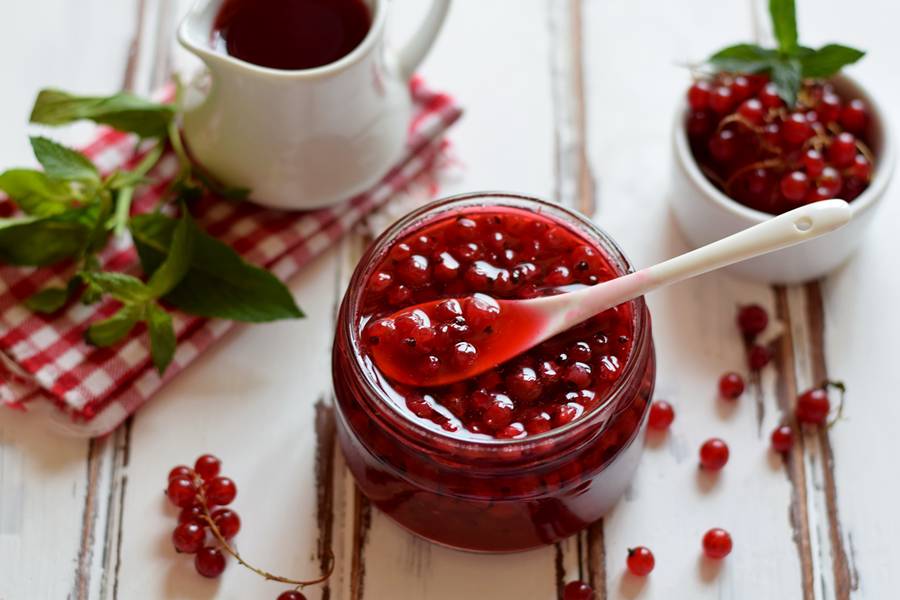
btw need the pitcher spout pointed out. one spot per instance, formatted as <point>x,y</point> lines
<point>195,31</point>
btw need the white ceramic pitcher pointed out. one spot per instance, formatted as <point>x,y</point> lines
<point>309,138</point>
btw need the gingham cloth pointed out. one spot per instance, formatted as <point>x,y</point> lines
<point>44,360</point>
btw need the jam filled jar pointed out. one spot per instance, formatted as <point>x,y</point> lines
<point>528,452</point>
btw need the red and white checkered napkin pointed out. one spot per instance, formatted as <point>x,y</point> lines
<point>44,361</point>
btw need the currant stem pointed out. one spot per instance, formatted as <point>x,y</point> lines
<point>842,388</point>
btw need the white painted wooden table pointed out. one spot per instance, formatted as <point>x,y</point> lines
<point>567,99</point>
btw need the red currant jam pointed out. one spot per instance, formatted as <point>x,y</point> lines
<point>773,157</point>
<point>522,455</point>
<point>291,34</point>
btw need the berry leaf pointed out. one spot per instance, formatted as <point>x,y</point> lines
<point>35,193</point>
<point>743,58</point>
<point>41,241</point>
<point>49,300</point>
<point>784,23</point>
<point>219,283</point>
<point>828,60</point>
<point>114,329</point>
<point>178,261</point>
<point>63,163</point>
<point>124,112</point>
<point>786,75</point>
<point>162,336</point>
<point>120,286</point>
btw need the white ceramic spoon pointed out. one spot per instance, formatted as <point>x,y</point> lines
<point>523,324</point>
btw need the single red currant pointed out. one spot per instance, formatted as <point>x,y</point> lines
<point>830,181</point>
<point>752,110</point>
<point>813,406</point>
<point>796,129</point>
<point>813,162</point>
<point>640,561</point>
<point>740,88</point>
<point>717,543</point>
<point>181,492</point>
<point>769,96</point>
<point>220,491</point>
<point>794,186</point>
<point>713,454</point>
<point>842,150</point>
<point>698,95</point>
<point>731,386</point>
<point>861,168</point>
<point>180,471</point>
<point>721,100</point>
<point>661,415</point>
<point>209,562</point>
<point>207,466</point>
<point>829,107</point>
<point>578,590</point>
<point>188,537</point>
<point>782,438</point>
<point>228,522</point>
<point>723,145</point>
<point>291,595</point>
<point>758,357</point>
<point>752,319</point>
<point>854,116</point>
<point>192,514</point>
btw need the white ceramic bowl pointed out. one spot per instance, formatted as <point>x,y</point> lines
<point>706,214</point>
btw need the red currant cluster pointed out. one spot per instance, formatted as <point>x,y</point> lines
<point>774,157</point>
<point>205,525</point>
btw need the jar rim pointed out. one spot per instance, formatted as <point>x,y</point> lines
<point>412,221</point>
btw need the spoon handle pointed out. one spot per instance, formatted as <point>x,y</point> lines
<point>799,225</point>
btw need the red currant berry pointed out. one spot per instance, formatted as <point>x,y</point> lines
<point>813,162</point>
<point>796,129</point>
<point>769,96</point>
<point>713,454</point>
<point>721,100</point>
<point>523,384</point>
<point>782,438</point>
<point>723,146</point>
<point>752,319</point>
<point>209,562</point>
<point>699,123</point>
<point>578,590</point>
<point>181,471</point>
<point>291,595</point>
<point>731,386</point>
<point>861,168</point>
<point>830,181</point>
<point>188,537</point>
<point>220,491</point>
<point>228,522</point>
<point>829,107</point>
<point>752,110</point>
<point>794,186</point>
<point>854,116</point>
<point>842,150</point>
<point>698,95</point>
<point>813,406</point>
<point>207,466</point>
<point>661,415</point>
<point>758,357</point>
<point>640,561</point>
<point>181,492</point>
<point>192,514</point>
<point>380,282</point>
<point>717,543</point>
<point>740,88</point>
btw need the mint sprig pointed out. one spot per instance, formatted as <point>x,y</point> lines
<point>790,63</point>
<point>71,211</point>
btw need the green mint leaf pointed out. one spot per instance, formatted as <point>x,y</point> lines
<point>178,260</point>
<point>162,336</point>
<point>125,112</point>
<point>42,241</point>
<point>784,24</point>
<point>219,283</point>
<point>742,58</point>
<point>35,193</point>
<point>48,300</point>
<point>120,286</point>
<point>63,163</point>
<point>786,75</point>
<point>828,60</point>
<point>114,329</point>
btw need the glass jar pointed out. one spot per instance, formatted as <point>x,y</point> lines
<point>489,495</point>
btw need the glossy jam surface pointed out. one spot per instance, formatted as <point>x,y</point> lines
<point>470,261</point>
<point>773,157</point>
<point>291,34</point>
<point>442,464</point>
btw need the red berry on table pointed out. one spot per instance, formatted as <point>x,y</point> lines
<point>854,116</point>
<point>578,590</point>
<point>796,129</point>
<point>731,386</point>
<point>188,537</point>
<point>752,319</point>
<point>227,521</point>
<point>181,492</point>
<point>794,186</point>
<point>207,466</point>
<point>291,595</point>
<point>640,561</point>
<point>842,150</point>
<point>713,454</point>
<point>209,562</point>
<point>758,357</point>
<point>661,415</point>
<point>180,471</point>
<point>192,514</point>
<point>813,407</point>
<point>717,543</point>
<point>220,491</point>
<point>698,95</point>
<point>782,438</point>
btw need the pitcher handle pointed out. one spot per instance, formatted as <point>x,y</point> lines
<point>417,48</point>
